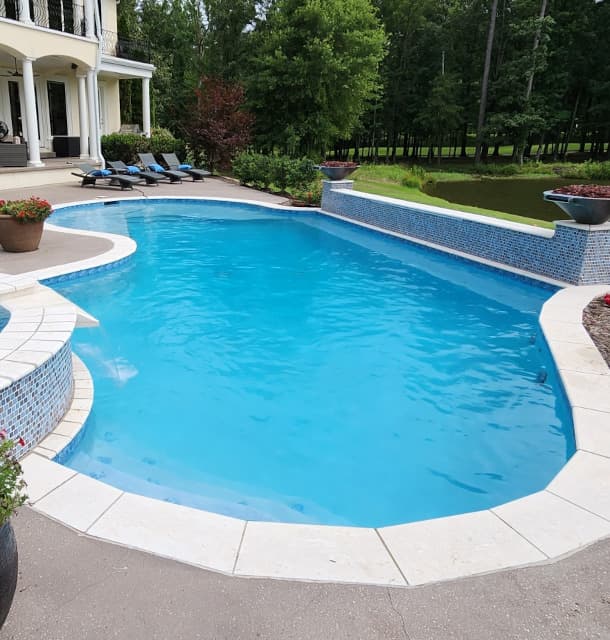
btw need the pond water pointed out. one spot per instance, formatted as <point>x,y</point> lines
<point>521,196</point>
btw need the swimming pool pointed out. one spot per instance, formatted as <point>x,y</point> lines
<point>276,366</point>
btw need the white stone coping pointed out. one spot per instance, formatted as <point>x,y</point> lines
<point>33,334</point>
<point>571,512</point>
<point>453,213</point>
<point>122,247</point>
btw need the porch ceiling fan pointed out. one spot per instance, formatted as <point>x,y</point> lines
<point>16,73</point>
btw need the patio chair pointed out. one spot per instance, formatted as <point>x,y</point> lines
<point>171,160</point>
<point>90,175</point>
<point>148,161</point>
<point>151,177</point>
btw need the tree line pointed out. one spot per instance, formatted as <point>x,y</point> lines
<point>393,78</point>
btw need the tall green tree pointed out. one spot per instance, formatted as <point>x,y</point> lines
<point>314,66</point>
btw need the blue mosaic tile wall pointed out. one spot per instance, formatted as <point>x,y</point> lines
<point>34,405</point>
<point>574,254</point>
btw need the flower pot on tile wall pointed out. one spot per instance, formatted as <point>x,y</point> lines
<point>17,237</point>
<point>585,204</point>
<point>8,569</point>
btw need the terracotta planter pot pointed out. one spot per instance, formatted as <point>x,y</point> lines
<point>19,236</point>
<point>580,209</point>
<point>8,569</point>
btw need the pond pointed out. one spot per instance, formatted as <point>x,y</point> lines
<point>521,196</point>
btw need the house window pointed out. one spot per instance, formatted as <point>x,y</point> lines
<point>61,15</point>
<point>57,108</point>
<point>11,10</point>
<point>13,94</point>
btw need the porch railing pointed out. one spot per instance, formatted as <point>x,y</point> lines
<point>113,45</point>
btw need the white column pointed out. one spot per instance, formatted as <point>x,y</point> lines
<point>146,106</point>
<point>30,113</point>
<point>83,122</point>
<point>93,126</point>
<point>24,11</point>
<point>89,19</point>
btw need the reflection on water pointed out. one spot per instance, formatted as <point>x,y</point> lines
<point>521,196</point>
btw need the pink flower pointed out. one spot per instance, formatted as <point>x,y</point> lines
<point>3,434</point>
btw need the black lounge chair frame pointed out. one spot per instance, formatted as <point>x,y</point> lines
<point>171,160</point>
<point>152,178</point>
<point>147,160</point>
<point>88,178</point>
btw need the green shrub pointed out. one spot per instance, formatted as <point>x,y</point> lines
<point>302,174</point>
<point>589,170</point>
<point>416,178</point>
<point>280,171</point>
<point>126,146</point>
<point>500,170</point>
<point>284,173</point>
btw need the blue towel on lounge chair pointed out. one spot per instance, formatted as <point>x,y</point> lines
<point>183,167</point>
<point>156,167</point>
<point>101,173</point>
<point>133,169</point>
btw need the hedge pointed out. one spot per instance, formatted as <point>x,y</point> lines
<point>126,146</point>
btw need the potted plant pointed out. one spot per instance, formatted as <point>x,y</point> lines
<point>11,497</point>
<point>22,222</point>
<point>584,203</point>
<point>335,170</point>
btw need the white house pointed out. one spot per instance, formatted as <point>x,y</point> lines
<point>60,66</point>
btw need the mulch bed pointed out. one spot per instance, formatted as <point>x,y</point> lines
<point>596,318</point>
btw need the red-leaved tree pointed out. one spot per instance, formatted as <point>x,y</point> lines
<point>219,126</point>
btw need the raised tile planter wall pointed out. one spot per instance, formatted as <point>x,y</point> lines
<point>573,253</point>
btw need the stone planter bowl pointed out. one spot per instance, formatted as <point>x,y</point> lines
<point>580,209</point>
<point>337,173</point>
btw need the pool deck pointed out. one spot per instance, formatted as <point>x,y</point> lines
<point>101,596</point>
<point>72,587</point>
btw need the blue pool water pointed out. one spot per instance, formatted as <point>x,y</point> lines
<point>290,367</point>
<point>5,316</point>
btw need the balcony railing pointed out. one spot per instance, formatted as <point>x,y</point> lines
<point>9,9</point>
<point>113,45</point>
<point>60,15</point>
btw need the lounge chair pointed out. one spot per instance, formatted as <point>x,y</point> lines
<point>151,177</point>
<point>90,175</point>
<point>171,160</point>
<point>148,161</point>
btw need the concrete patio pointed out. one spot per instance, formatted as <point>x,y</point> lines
<point>73,586</point>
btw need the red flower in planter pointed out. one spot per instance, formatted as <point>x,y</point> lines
<point>21,441</point>
<point>607,299</point>
<point>585,190</point>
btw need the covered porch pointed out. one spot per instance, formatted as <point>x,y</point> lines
<point>59,106</point>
